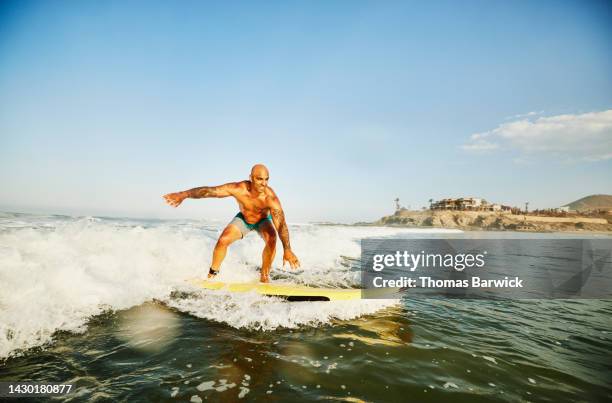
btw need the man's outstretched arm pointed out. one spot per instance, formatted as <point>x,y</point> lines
<point>175,199</point>
<point>278,217</point>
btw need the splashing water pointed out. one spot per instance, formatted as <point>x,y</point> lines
<point>57,272</point>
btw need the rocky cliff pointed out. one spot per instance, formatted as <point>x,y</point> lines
<point>474,220</point>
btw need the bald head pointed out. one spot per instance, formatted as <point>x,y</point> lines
<point>259,169</point>
<point>259,178</point>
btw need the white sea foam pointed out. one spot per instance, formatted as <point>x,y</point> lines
<point>57,272</point>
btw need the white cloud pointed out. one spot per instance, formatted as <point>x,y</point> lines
<point>586,136</point>
<point>524,115</point>
<point>480,145</point>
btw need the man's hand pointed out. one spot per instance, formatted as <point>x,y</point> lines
<point>289,256</point>
<point>175,199</point>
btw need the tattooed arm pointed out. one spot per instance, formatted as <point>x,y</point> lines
<point>175,199</point>
<point>278,217</point>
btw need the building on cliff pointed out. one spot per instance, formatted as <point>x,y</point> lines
<point>466,203</point>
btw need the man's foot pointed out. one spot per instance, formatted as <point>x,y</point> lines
<point>264,275</point>
<point>212,273</point>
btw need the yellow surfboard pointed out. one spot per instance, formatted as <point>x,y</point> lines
<point>290,292</point>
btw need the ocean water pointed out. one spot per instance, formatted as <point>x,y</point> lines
<point>102,303</point>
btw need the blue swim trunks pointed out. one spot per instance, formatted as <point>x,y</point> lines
<point>245,227</point>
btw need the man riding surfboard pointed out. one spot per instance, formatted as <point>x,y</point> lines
<point>260,210</point>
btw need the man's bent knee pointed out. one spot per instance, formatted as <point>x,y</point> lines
<point>270,241</point>
<point>224,242</point>
<point>229,235</point>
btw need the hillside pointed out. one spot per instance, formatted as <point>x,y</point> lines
<point>474,220</point>
<point>593,202</point>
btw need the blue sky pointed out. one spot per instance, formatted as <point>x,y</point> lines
<point>105,106</point>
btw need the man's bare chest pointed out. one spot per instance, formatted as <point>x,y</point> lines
<point>258,205</point>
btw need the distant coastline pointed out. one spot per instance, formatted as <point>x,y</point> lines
<point>589,214</point>
<point>497,221</point>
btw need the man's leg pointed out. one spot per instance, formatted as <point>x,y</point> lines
<point>268,233</point>
<point>230,234</point>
